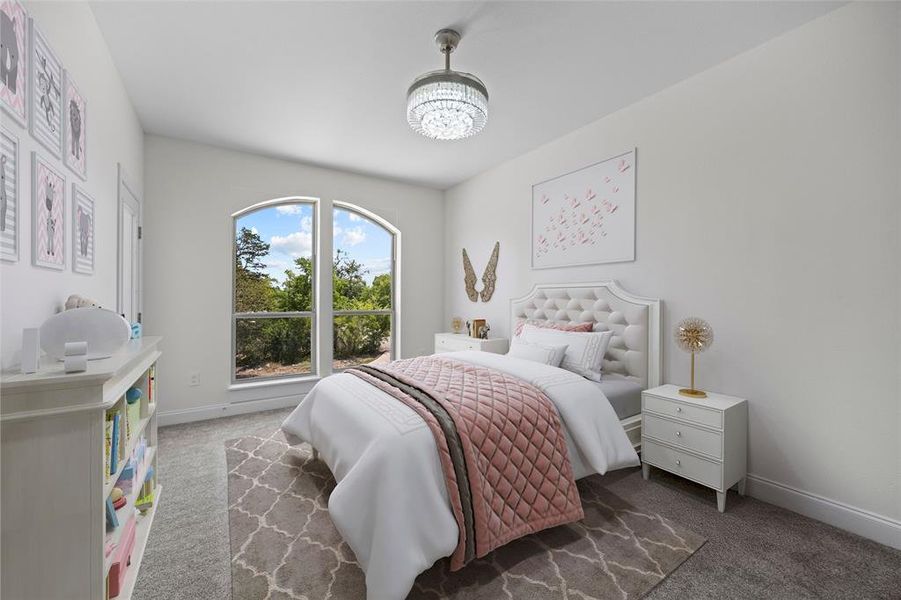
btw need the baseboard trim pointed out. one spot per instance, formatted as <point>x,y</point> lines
<point>850,518</point>
<point>215,411</point>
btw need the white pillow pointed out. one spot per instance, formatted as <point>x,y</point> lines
<point>548,355</point>
<point>584,351</point>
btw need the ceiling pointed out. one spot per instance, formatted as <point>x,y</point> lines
<point>325,82</point>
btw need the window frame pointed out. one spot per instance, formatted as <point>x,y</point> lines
<point>311,314</point>
<point>395,280</point>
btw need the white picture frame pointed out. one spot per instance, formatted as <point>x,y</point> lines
<point>75,136</point>
<point>45,93</point>
<point>83,231</point>
<point>48,215</point>
<point>587,216</point>
<point>14,81</point>
<point>9,195</point>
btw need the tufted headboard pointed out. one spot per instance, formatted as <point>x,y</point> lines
<point>634,350</point>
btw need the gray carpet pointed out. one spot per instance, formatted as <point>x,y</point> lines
<point>754,550</point>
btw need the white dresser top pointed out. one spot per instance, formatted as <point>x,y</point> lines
<point>713,400</point>
<point>51,371</point>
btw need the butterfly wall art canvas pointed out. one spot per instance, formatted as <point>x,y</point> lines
<point>585,217</point>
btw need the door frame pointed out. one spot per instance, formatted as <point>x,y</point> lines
<point>126,188</point>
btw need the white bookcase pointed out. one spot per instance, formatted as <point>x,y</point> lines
<point>55,478</point>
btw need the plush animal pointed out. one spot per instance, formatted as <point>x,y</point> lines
<point>76,301</point>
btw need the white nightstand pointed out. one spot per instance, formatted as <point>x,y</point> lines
<point>452,342</point>
<point>702,439</point>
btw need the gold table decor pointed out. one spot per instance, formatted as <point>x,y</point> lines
<point>693,335</point>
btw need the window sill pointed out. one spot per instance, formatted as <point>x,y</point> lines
<point>273,382</point>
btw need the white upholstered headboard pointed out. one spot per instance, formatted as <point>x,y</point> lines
<point>634,350</point>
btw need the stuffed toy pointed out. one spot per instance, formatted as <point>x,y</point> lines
<point>76,301</point>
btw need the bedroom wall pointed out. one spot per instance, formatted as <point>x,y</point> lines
<point>28,294</point>
<point>768,203</point>
<point>191,192</point>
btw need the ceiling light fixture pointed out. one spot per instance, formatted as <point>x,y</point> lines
<point>447,104</point>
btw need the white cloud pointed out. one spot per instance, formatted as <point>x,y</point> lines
<point>354,216</point>
<point>306,224</point>
<point>378,266</point>
<point>288,209</point>
<point>299,243</point>
<point>254,231</point>
<point>354,236</point>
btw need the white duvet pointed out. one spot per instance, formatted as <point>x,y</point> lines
<point>390,503</point>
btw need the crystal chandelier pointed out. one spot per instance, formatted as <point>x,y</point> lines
<point>447,104</point>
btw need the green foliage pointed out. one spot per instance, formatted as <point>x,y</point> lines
<point>288,340</point>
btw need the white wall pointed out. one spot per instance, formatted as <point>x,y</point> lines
<point>191,192</point>
<point>768,204</point>
<point>30,294</point>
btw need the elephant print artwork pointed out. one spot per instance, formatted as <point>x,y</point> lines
<point>13,63</point>
<point>48,218</point>
<point>82,231</point>
<point>74,146</point>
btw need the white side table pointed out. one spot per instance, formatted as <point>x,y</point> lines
<point>452,342</point>
<point>702,439</point>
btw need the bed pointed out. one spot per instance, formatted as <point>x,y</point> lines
<point>391,502</point>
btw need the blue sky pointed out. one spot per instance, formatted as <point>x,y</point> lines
<point>288,229</point>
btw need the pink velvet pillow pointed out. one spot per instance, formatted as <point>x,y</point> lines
<point>577,327</point>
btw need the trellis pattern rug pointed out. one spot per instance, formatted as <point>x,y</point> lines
<point>284,546</point>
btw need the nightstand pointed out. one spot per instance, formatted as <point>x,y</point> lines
<point>452,342</point>
<point>702,439</point>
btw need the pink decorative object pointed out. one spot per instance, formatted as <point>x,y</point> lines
<point>121,558</point>
<point>576,327</point>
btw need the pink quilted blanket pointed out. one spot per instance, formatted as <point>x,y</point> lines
<point>502,449</point>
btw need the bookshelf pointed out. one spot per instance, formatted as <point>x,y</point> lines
<point>57,474</point>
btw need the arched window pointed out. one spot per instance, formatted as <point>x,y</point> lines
<point>277,295</point>
<point>363,292</point>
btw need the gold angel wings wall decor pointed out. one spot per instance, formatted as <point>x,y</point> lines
<point>489,277</point>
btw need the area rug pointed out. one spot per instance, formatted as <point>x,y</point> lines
<point>284,545</point>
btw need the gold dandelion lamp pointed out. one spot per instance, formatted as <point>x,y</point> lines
<point>693,335</point>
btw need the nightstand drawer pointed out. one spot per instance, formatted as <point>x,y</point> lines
<point>444,344</point>
<point>683,435</point>
<point>686,465</point>
<point>684,411</point>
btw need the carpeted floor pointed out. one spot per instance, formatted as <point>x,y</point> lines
<point>754,550</point>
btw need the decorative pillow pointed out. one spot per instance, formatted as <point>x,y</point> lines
<point>520,323</point>
<point>584,351</point>
<point>548,355</point>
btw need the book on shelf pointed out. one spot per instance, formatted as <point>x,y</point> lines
<point>114,451</point>
<point>108,447</point>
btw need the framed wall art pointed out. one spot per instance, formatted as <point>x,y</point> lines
<point>14,60</point>
<point>82,231</point>
<point>9,196</point>
<point>45,106</point>
<point>586,217</point>
<point>75,138</point>
<point>48,215</point>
